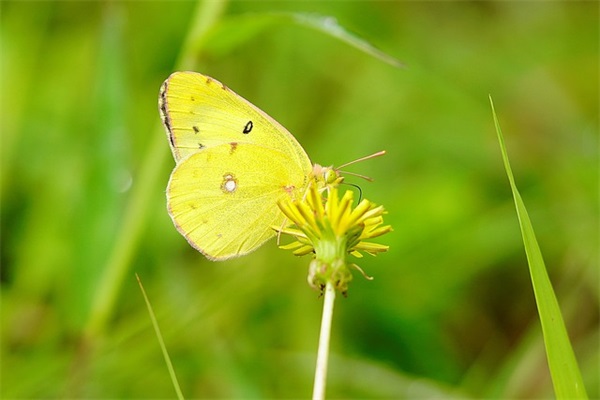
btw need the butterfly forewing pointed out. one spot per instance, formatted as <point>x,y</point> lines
<point>200,112</point>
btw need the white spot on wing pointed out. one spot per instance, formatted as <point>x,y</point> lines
<point>229,184</point>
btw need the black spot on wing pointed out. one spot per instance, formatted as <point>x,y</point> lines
<point>196,129</point>
<point>248,127</point>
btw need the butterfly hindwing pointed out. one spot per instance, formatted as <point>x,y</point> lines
<point>224,198</point>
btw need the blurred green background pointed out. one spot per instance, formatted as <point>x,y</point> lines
<point>451,313</point>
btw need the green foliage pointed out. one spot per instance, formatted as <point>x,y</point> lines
<point>566,376</point>
<point>451,311</point>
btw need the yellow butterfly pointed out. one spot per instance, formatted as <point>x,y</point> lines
<point>233,164</point>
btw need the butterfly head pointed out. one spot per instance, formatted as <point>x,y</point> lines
<point>326,176</point>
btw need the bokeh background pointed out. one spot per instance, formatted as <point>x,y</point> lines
<point>450,313</point>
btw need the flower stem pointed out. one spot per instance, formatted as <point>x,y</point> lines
<point>323,352</point>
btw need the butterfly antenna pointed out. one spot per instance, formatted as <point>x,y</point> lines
<point>367,178</point>
<point>379,153</point>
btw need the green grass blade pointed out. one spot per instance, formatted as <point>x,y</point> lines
<point>564,370</point>
<point>118,263</point>
<point>161,341</point>
<point>331,27</point>
<point>236,30</point>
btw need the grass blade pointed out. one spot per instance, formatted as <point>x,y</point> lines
<point>331,27</point>
<point>564,370</point>
<point>127,239</point>
<point>161,341</point>
<point>236,30</point>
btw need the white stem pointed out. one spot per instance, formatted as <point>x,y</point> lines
<point>323,352</point>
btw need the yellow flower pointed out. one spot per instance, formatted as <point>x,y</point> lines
<point>330,228</point>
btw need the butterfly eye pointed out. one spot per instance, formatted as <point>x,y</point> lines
<point>330,175</point>
<point>248,127</point>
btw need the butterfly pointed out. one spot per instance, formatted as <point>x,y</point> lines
<point>234,163</point>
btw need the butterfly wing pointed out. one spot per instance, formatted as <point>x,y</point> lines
<point>223,199</point>
<point>200,112</point>
<point>234,163</point>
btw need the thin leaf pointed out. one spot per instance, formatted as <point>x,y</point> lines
<point>234,31</point>
<point>564,370</point>
<point>161,341</point>
<point>329,25</point>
